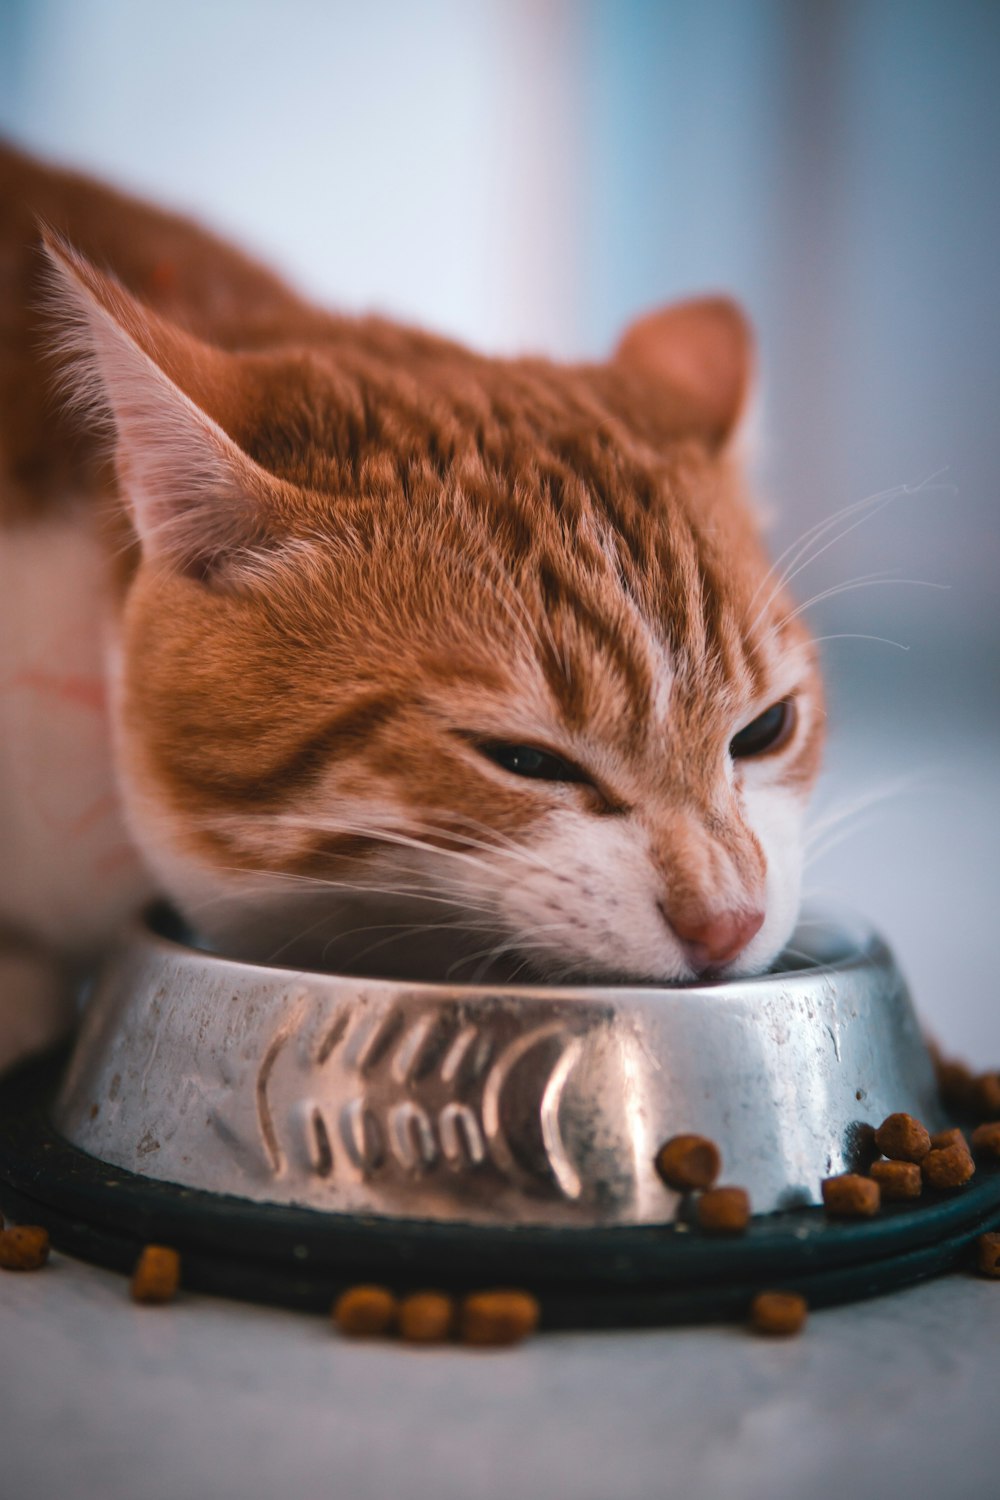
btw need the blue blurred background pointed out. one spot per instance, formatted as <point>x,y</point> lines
<point>530,174</point>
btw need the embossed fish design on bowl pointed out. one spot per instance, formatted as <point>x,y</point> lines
<point>489,1105</point>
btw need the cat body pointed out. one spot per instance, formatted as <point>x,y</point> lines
<point>366,649</point>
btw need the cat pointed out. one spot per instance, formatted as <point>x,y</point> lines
<point>366,650</point>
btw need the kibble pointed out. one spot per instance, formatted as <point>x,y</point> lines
<point>688,1162</point>
<point>947,1166</point>
<point>851,1196</point>
<point>724,1210</point>
<point>365,1312</point>
<point>902,1138</point>
<point>24,1247</point>
<point>988,1254</point>
<point>778,1313</point>
<point>944,1138</point>
<point>956,1086</point>
<point>426,1317</point>
<point>897,1180</point>
<point>986,1139</point>
<point>986,1096</point>
<point>157,1275</point>
<point>499,1317</point>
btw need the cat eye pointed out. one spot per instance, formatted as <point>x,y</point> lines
<point>527,760</point>
<point>768,732</point>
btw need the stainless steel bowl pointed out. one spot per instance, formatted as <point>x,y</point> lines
<point>489,1105</point>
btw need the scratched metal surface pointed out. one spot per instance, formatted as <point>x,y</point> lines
<point>488,1106</point>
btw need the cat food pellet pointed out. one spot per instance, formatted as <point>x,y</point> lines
<point>780,1313</point>
<point>988,1249</point>
<point>902,1138</point>
<point>688,1162</point>
<point>986,1139</point>
<point>498,1317</point>
<point>426,1317</point>
<point>851,1196</point>
<point>943,1138</point>
<point>986,1098</point>
<point>956,1086</point>
<point>897,1179</point>
<point>365,1312</point>
<point>24,1247</point>
<point>157,1275</point>
<point>948,1166</point>
<point>724,1210</point>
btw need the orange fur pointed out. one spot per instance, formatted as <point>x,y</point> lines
<point>349,553</point>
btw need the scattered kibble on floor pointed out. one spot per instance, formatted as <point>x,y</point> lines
<point>988,1250</point>
<point>426,1317</point>
<point>363,1312</point>
<point>23,1247</point>
<point>778,1313</point>
<point>157,1275</point>
<point>498,1317</point>
<point>911,1159</point>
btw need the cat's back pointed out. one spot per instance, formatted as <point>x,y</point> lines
<point>169,262</point>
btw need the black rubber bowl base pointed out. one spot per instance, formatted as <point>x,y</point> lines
<point>599,1278</point>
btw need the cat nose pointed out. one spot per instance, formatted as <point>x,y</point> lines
<point>711,941</point>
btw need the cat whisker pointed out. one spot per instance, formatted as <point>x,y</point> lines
<point>854,635</point>
<point>323,882</point>
<point>538,941</point>
<point>834,816</point>
<point>379,834</point>
<point>830,830</point>
<point>865,581</point>
<point>404,930</point>
<point>525,855</point>
<point>495,842</point>
<point>798,554</point>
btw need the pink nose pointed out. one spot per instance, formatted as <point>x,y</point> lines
<point>711,941</point>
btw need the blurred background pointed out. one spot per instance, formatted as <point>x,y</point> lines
<point>530,174</point>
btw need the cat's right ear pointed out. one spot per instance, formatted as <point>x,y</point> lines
<point>197,500</point>
<point>701,354</point>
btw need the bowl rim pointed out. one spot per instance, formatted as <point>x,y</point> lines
<point>863,950</point>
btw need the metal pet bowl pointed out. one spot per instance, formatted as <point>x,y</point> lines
<point>497,1107</point>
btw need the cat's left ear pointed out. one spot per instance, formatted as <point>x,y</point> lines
<point>196,499</point>
<point>701,353</point>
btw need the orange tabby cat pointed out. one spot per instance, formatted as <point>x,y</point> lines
<point>367,650</point>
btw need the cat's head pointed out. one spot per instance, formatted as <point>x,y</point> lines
<point>426,659</point>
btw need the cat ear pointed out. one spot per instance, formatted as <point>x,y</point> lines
<point>702,353</point>
<point>196,499</point>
